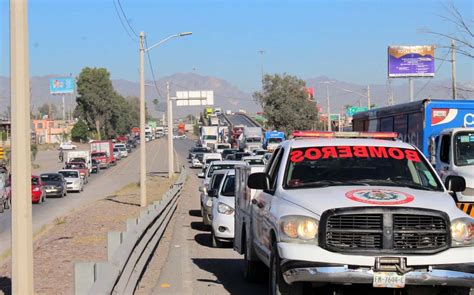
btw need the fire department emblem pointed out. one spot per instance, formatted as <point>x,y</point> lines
<point>379,196</point>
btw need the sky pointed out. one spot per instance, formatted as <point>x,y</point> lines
<point>344,40</point>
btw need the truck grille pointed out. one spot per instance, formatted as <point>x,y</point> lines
<point>384,230</point>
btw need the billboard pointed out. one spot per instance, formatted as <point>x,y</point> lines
<point>194,98</point>
<point>61,85</point>
<point>411,61</point>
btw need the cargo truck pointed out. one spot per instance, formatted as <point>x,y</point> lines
<point>272,140</point>
<point>251,139</point>
<point>442,129</point>
<point>209,136</point>
<point>103,152</point>
<point>82,157</point>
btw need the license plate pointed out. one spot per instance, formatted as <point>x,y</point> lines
<point>388,280</point>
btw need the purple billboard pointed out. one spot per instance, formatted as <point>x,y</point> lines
<point>411,61</point>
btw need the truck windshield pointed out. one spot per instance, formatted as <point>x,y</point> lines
<point>275,140</point>
<point>464,148</point>
<point>228,188</point>
<point>70,174</point>
<point>209,137</point>
<point>359,165</point>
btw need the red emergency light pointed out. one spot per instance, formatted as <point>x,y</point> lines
<point>329,134</point>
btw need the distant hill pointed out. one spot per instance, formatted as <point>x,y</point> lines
<point>230,97</point>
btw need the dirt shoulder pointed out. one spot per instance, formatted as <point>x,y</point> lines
<point>82,236</point>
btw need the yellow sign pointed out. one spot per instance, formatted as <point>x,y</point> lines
<point>1,153</point>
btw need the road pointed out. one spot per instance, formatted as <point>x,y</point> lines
<point>191,265</point>
<point>101,185</point>
<point>240,119</point>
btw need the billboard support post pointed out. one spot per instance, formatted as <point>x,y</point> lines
<point>410,88</point>
<point>64,108</point>
<point>170,132</point>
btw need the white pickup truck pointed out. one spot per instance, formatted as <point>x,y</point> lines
<point>331,211</point>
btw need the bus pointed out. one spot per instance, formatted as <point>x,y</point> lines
<point>419,121</point>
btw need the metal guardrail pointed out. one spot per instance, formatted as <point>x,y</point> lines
<point>130,251</point>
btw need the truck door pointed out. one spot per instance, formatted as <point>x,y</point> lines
<point>444,156</point>
<point>263,203</point>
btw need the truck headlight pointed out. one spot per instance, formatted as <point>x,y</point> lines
<point>225,209</point>
<point>297,228</point>
<point>462,232</point>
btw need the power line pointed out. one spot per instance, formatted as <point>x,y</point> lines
<point>152,71</point>
<point>134,39</point>
<point>429,81</point>
<point>126,19</point>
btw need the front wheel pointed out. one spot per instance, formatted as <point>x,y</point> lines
<point>253,270</point>
<point>7,204</point>
<point>215,242</point>
<point>276,283</point>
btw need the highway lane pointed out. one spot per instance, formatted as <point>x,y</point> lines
<point>239,119</point>
<point>101,185</point>
<point>192,266</point>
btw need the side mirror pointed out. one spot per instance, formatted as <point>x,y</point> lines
<point>455,183</point>
<point>201,175</point>
<point>212,193</point>
<point>258,180</point>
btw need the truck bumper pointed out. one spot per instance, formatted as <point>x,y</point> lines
<point>447,275</point>
<point>310,263</point>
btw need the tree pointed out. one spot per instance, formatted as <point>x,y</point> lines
<point>285,104</point>
<point>463,35</point>
<point>45,110</point>
<point>80,131</point>
<point>95,98</point>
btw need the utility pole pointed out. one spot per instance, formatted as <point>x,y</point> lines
<point>410,88</point>
<point>329,109</point>
<point>143,200</point>
<point>453,67</point>
<point>262,52</point>
<point>22,237</point>
<point>368,97</point>
<point>170,131</point>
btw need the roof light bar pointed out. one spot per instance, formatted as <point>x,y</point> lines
<point>328,134</point>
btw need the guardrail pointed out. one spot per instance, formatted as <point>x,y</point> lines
<point>129,251</point>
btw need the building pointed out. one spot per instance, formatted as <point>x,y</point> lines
<point>51,131</point>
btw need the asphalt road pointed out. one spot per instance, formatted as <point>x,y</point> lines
<point>192,266</point>
<point>238,119</point>
<point>100,186</point>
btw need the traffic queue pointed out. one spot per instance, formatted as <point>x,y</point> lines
<point>78,167</point>
<point>330,209</point>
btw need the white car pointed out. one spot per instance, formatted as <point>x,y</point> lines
<point>213,167</point>
<point>67,146</point>
<point>351,208</point>
<point>74,181</point>
<point>122,148</point>
<point>206,199</point>
<point>254,160</point>
<point>223,203</point>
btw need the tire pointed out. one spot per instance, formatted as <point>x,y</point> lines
<point>215,242</point>
<point>276,283</point>
<point>7,204</point>
<point>205,219</point>
<point>2,207</point>
<point>253,270</point>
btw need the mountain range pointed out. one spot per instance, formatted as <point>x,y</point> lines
<point>230,97</point>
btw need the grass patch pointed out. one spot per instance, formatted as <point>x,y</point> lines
<point>35,166</point>
<point>59,220</point>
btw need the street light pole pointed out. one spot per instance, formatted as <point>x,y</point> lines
<point>170,132</point>
<point>329,109</point>
<point>22,233</point>
<point>143,196</point>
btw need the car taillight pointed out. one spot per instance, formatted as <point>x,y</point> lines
<point>36,189</point>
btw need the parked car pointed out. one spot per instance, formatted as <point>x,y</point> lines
<point>38,193</point>
<point>129,148</point>
<point>74,181</point>
<point>95,166</point>
<point>67,146</point>
<point>55,184</point>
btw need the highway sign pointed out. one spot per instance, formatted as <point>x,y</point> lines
<point>194,98</point>
<point>352,110</point>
